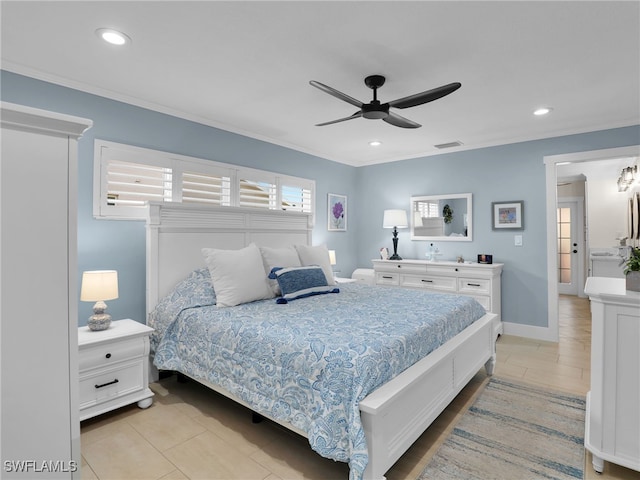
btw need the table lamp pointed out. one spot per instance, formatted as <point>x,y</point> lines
<point>98,286</point>
<point>395,219</point>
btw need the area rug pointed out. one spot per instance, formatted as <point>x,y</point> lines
<point>517,432</point>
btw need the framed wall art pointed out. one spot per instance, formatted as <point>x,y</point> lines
<point>507,215</point>
<point>337,213</point>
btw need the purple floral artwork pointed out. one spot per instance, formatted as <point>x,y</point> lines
<point>337,212</point>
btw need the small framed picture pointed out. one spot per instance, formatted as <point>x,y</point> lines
<point>507,215</point>
<point>384,253</point>
<point>337,213</point>
<point>484,258</point>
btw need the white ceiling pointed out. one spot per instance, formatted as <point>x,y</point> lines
<point>245,66</point>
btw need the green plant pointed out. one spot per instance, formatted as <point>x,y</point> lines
<point>447,213</point>
<point>633,262</point>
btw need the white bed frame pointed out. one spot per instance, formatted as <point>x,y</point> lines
<point>394,415</point>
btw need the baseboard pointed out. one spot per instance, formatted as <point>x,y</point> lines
<point>529,331</point>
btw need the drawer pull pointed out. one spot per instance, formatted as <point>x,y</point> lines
<point>473,284</point>
<point>107,384</point>
<point>426,281</point>
<point>108,355</point>
<point>387,277</point>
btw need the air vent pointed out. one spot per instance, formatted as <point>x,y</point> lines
<point>449,145</point>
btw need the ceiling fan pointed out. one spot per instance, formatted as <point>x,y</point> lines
<point>375,110</point>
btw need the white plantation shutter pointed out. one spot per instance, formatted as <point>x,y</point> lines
<point>133,184</point>
<point>206,188</point>
<point>296,198</point>
<point>257,194</point>
<point>126,177</point>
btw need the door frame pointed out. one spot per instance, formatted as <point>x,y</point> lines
<point>552,331</point>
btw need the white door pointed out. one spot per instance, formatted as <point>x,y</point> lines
<point>570,248</point>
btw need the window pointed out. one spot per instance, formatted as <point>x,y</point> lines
<point>126,177</point>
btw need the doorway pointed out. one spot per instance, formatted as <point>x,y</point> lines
<point>551,168</point>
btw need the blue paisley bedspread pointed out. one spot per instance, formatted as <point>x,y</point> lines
<point>311,361</point>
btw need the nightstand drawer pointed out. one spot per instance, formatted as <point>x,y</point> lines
<point>113,382</point>
<point>110,353</point>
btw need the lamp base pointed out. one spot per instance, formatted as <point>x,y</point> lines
<point>395,256</point>
<point>100,321</point>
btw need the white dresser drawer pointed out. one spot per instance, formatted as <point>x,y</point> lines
<point>444,284</point>
<point>483,300</point>
<point>474,286</point>
<point>110,353</point>
<point>384,278</point>
<point>102,384</point>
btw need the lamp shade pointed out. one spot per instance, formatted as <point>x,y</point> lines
<point>395,219</point>
<point>332,257</point>
<point>99,285</point>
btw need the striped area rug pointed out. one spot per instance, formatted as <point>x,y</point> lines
<point>517,432</point>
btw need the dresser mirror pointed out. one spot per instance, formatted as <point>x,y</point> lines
<point>441,217</point>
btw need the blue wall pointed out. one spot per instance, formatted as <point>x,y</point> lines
<point>503,173</point>
<point>120,245</point>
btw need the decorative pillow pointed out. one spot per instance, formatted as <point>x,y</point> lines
<point>278,257</point>
<point>237,275</point>
<point>300,282</point>
<point>317,255</point>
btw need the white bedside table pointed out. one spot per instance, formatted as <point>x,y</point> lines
<point>344,280</point>
<point>114,367</point>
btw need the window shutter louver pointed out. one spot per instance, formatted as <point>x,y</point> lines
<point>257,194</point>
<point>132,184</point>
<point>205,188</point>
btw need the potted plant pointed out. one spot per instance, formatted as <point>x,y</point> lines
<point>632,269</point>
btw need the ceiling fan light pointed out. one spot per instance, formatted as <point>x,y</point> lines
<point>113,37</point>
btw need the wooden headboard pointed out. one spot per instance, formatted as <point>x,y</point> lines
<point>177,232</point>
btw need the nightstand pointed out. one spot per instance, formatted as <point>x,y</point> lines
<point>114,367</point>
<point>344,280</point>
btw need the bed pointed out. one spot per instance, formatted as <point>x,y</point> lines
<point>353,396</point>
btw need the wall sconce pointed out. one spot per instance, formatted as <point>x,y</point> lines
<point>395,219</point>
<point>627,177</point>
<point>98,286</point>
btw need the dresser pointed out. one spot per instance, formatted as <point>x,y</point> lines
<point>39,349</point>
<point>114,367</point>
<point>480,281</point>
<point>612,419</point>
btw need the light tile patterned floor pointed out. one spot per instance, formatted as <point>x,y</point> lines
<point>193,433</point>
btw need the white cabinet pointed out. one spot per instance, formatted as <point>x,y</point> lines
<point>612,423</point>
<point>114,367</point>
<point>39,366</point>
<point>480,281</point>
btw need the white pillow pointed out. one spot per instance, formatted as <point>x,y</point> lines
<point>238,276</point>
<point>278,257</point>
<point>316,255</point>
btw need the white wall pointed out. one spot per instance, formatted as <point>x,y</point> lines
<point>607,212</point>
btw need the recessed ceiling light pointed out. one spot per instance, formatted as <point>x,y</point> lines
<point>113,37</point>
<point>542,111</point>
<point>375,143</point>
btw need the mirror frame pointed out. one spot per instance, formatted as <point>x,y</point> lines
<point>444,238</point>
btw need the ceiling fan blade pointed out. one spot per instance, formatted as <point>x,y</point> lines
<point>355,115</point>
<point>425,97</point>
<point>336,93</point>
<point>398,121</point>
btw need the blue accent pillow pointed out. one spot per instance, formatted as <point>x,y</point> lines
<point>300,282</point>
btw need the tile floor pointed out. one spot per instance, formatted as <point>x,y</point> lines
<point>193,433</point>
